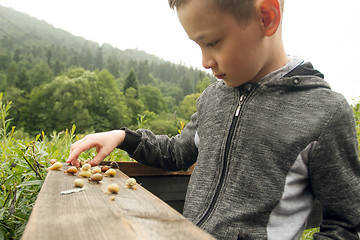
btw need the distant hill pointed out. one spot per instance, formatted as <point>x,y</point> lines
<point>35,56</point>
<point>26,41</point>
<point>26,31</point>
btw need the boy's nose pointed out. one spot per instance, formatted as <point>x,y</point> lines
<point>208,61</point>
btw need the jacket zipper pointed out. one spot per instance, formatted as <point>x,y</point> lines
<point>226,154</point>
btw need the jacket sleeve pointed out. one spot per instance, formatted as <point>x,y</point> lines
<point>169,153</point>
<point>335,176</point>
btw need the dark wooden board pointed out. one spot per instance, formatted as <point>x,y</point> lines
<point>171,186</point>
<point>139,169</point>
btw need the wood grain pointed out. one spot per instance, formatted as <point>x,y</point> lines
<point>91,214</point>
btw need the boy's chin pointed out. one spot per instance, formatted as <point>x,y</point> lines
<point>230,83</point>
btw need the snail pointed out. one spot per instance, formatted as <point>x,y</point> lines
<point>55,166</point>
<point>111,172</point>
<point>131,183</point>
<point>113,188</point>
<point>79,182</point>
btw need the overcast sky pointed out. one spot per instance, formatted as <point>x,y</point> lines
<point>325,32</point>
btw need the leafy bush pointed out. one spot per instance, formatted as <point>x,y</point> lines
<point>23,166</point>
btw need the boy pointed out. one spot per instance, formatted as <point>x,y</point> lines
<point>267,138</point>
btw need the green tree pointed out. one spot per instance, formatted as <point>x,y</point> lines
<point>131,82</point>
<point>152,99</point>
<point>143,73</point>
<point>203,84</point>
<point>164,124</point>
<point>86,58</point>
<point>187,85</point>
<point>188,106</point>
<point>172,90</point>
<point>89,100</point>
<point>17,55</point>
<point>5,61</point>
<point>17,98</point>
<point>40,73</point>
<point>12,74</point>
<point>99,61</point>
<point>112,112</point>
<point>3,83</point>
<point>113,67</point>
<point>23,80</point>
<point>135,106</point>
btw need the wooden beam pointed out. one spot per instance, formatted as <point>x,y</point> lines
<point>92,214</point>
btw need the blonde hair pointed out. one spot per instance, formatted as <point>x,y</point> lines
<point>241,9</point>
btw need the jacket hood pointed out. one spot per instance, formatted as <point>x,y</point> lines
<point>303,76</point>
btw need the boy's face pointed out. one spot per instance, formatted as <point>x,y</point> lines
<point>233,51</point>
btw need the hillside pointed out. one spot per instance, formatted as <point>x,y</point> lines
<point>26,31</point>
<point>36,39</point>
<point>37,59</point>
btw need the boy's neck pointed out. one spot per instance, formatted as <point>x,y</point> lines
<point>277,57</point>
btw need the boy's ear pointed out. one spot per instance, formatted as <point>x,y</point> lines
<point>271,16</point>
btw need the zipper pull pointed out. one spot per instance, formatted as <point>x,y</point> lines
<point>242,98</point>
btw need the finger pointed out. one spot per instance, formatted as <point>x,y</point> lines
<point>98,158</point>
<point>74,162</point>
<point>77,149</point>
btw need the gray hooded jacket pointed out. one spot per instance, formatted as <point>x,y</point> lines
<point>263,153</point>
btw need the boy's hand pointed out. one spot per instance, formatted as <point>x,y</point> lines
<point>104,143</point>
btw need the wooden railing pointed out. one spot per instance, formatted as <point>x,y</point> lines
<point>145,213</point>
<point>95,214</point>
<point>171,186</point>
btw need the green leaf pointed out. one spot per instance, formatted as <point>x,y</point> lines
<point>31,183</point>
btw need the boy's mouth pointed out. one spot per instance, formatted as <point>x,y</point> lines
<point>220,76</point>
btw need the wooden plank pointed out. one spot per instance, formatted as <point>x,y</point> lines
<point>139,169</point>
<point>91,214</point>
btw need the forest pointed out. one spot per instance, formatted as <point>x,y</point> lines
<point>55,80</point>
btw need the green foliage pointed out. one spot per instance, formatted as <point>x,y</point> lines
<point>356,110</point>
<point>40,73</point>
<point>89,100</point>
<point>164,127</point>
<point>134,105</point>
<point>142,122</point>
<point>188,106</point>
<point>23,166</point>
<point>152,99</point>
<point>3,83</point>
<point>22,173</point>
<point>203,84</point>
<point>131,82</point>
<point>308,233</point>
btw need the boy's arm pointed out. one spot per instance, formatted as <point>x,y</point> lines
<point>335,176</point>
<point>175,153</point>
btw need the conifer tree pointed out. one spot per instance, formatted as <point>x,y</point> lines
<point>131,82</point>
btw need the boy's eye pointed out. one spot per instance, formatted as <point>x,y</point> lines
<point>212,44</point>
